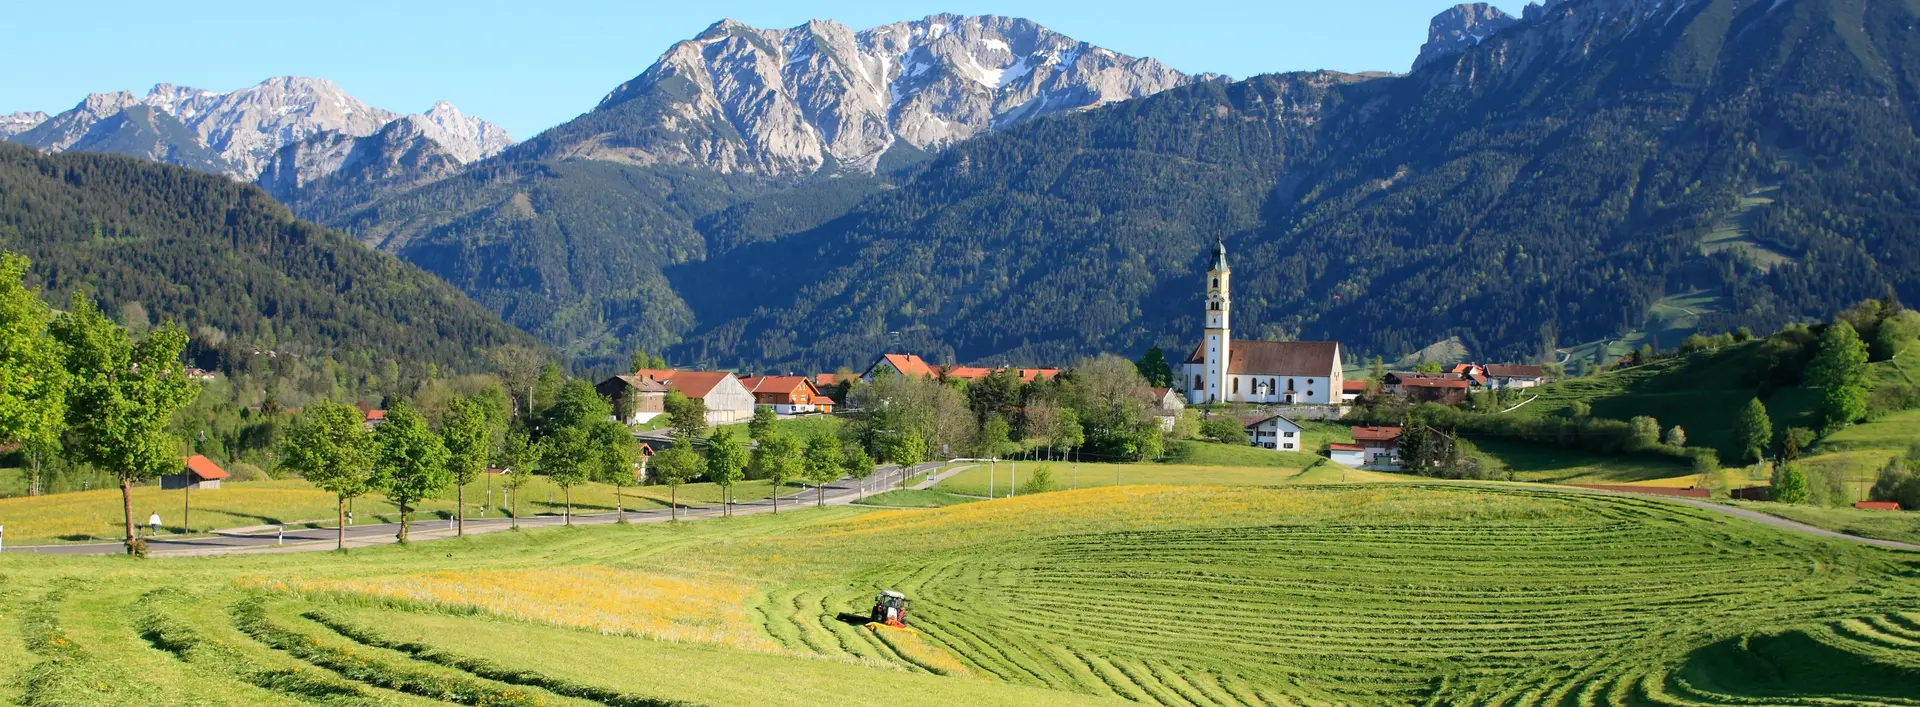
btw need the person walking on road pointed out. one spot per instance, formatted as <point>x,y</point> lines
<point>154,521</point>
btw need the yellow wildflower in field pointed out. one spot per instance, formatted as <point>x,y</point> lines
<point>598,598</point>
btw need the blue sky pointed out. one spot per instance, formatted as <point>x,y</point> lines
<point>529,66</point>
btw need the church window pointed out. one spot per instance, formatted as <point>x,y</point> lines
<point>1273,384</point>
<point>1236,385</point>
<point>1309,381</point>
<point>1309,393</point>
<point>1216,283</point>
<point>1289,385</point>
<point>1197,384</point>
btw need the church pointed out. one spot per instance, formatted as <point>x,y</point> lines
<point>1270,372</point>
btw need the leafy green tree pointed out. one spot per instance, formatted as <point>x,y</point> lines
<point>822,465</point>
<point>762,422</point>
<point>518,456</point>
<point>120,397</point>
<point>567,455</point>
<point>547,386</point>
<point>905,450</point>
<point>996,395</point>
<point>614,460</point>
<point>1839,370</point>
<point>1071,435</point>
<point>678,465</point>
<point>575,405</point>
<point>1153,367</point>
<point>1755,430</point>
<point>409,463</point>
<point>1793,441</point>
<point>33,382</point>
<point>1427,367</point>
<point>1646,432</point>
<point>726,464</point>
<point>778,460</point>
<point>993,442</point>
<point>1676,437</point>
<point>1224,430</point>
<point>467,432</point>
<point>1789,484</point>
<point>687,415</point>
<point>330,447</point>
<point>642,361</point>
<point>858,464</point>
<point>1898,483</point>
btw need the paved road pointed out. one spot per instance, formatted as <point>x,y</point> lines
<point>1737,512</point>
<point>841,492</point>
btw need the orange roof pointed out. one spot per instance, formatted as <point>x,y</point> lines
<point>1375,434</point>
<point>1028,374</point>
<point>376,416</point>
<point>778,385</point>
<point>972,373</point>
<point>827,379</point>
<point>1353,386</point>
<point>906,364</point>
<point>1339,447</point>
<point>693,384</point>
<point>1877,506</point>
<point>204,469</point>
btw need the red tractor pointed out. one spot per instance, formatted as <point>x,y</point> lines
<point>891,609</point>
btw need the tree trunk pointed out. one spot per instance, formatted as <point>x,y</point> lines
<point>126,504</point>
<point>819,495</point>
<point>619,504</point>
<point>341,515</point>
<point>186,509</point>
<point>516,509</point>
<point>460,510</point>
<point>405,522</point>
<point>776,499</point>
<point>673,501</point>
<point>569,506</point>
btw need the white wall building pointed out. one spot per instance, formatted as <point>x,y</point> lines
<point>1278,372</point>
<point>1276,433</point>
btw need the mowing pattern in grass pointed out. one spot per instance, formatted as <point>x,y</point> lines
<point>1596,607</point>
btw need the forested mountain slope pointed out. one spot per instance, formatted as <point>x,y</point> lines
<point>1541,188</point>
<point>232,265</point>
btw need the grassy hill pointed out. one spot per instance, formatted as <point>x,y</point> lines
<point>1367,595</point>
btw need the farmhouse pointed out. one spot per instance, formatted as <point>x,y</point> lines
<point>1428,387</point>
<point>1515,376</point>
<point>196,472</point>
<point>1222,370</point>
<point>1274,432</point>
<point>787,395</point>
<point>1379,446</point>
<point>1350,455</point>
<point>647,397</point>
<point>726,399</point>
<point>1167,404</point>
<point>911,365</point>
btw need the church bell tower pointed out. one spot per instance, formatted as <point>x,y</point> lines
<point>1219,335</point>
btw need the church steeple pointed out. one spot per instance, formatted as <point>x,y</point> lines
<point>1213,386</point>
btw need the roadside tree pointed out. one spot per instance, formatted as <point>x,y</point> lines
<point>330,447</point>
<point>726,464</point>
<point>678,465</point>
<point>468,435</point>
<point>33,381</point>
<point>567,455</point>
<point>822,465</point>
<point>614,460</point>
<point>409,464</point>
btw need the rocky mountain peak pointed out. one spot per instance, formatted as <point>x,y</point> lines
<point>20,122</point>
<point>241,132</point>
<point>1461,28</point>
<point>796,100</point>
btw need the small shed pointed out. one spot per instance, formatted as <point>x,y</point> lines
<point>1351,455</point>
<point>197,472</point>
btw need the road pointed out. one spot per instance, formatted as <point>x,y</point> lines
<point>842,492</point>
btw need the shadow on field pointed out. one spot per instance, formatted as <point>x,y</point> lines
<point>1794,664</point>
<point>854,619</point>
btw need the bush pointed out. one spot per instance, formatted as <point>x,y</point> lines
<point>1898,483</point>
<point>1223,429</point>
<point>1889,398</point>
<point>242,471</point>
<point>1789,484</point>
<point>1040,482</point>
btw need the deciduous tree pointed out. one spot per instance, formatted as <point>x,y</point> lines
<point>518,456</point>
<point>1154,368</point>
<point>1839,370</point>
<point>330,447</point>
<point>762,422</point>
<point>726,464</point>
<point>778,460</point>
<point>120,396</point>
<point>823,460</point>
<point>614,460</point>
<point>468,435</point>
<point>567,455</point>
<point>678,465</point>
<point>1789,484</point>
<point>410,462</point>
<point>859,465</point>
<point>688,416</point>
<point>33,379</point>
<point>1754,431</point>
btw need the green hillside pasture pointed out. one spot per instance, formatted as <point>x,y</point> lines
<point>974,482</point>
<point>1734,232</point>
<point>1703,393</point>
<point>1903,526</point>
<point>1363,594</point>
<point>1536,462</point>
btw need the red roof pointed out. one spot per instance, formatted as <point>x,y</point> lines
<point>693,384</point>
<point>1376,434</point>
<point>1278,358</point>
<point>1433,383</point>
<point>1341,447</point>
<point>1354,386</point>
<point>376,416</point>
<point>1028,374</point>
<point>1877,506</point>
<point>204,469</point>
<point>826,379</point>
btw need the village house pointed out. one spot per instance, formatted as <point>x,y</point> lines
<point>1501,375</point>
<point>1221,370</point>
<point>726,399</point>
<point>1275,432</point>
<point>1428,387</point>
<point>1347,455</point>
<point>1353,390</point>
<point>787,395</point>
<point>911,365</point>
<point>647,396</point>
<point>1379,446</point>
<point>196,472</point>
<point>373,418</point>
<point>1167,405</point>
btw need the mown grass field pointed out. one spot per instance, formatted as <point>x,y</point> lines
<point>973,482</point>
<point>1382,594</point>
<point>909,498</point>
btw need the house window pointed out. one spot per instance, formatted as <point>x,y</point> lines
<point>1289,435</point>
